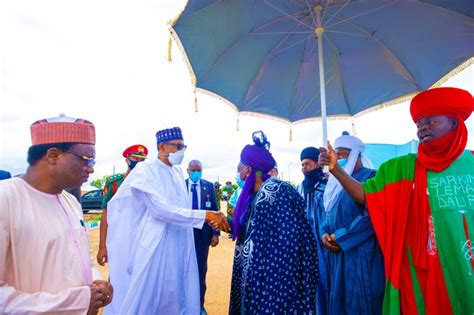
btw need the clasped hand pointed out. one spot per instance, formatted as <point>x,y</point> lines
<point>329,241</point>
<point>217,221</point>
<point>101,294</point>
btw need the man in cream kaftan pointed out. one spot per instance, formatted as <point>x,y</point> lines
<point>45,264</point>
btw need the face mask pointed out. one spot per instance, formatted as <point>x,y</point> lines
<point>132,164</point>
<point>176,158</point>
<point>342,162</point>
<point>235,196</point>
<point>195,176</point>
<point>240,182</point>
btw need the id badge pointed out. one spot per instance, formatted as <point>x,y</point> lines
<point>208,204</point>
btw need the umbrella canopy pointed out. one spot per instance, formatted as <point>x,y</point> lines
<point>262,55</point>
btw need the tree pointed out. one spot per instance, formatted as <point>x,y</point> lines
<point>217,189</point>
<point>99,182</point>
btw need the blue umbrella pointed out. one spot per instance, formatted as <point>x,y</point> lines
<point>302,59</point>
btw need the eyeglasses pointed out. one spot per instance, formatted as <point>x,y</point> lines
<point>90,162</point>
<point>178,146</point>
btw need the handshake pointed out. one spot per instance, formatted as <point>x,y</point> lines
<point>217,221</point>
<point>101,294</point>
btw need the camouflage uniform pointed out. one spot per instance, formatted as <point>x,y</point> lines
<point>111,186</point>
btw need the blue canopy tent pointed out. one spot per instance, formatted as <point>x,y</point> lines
<point>381,152</point>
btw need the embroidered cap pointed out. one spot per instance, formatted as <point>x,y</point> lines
<point>62,129</point>
<point>169,134</point>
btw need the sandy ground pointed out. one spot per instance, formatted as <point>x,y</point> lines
<point>218,275</point>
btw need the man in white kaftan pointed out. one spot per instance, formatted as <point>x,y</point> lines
<point>150,242</point>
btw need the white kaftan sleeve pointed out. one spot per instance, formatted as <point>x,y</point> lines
<point>167,212</point>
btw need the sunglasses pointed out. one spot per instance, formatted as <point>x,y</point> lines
<point>90,162</point>
<point>178,146</point>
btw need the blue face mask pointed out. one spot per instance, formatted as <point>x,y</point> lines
<point>132,164</point>
<point>235,196</point>
<point>240,182</point>
<point>342,162</point>
<point>195,176</point>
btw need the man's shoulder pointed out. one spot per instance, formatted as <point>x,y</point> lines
<point>113,178</point>
<point>274,183</point>
<point>400,160</point>
<point>206,183</point>
<point>282,190</point>
<point>9,185</point>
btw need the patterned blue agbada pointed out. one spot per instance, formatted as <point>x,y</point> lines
<point>355,274</point>
<point>275,262</point>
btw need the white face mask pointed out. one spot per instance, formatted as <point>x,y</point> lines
<point>176,158</point>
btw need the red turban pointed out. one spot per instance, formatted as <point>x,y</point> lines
<point>446,101</point>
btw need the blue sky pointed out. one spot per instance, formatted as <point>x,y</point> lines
<point>106,61</point>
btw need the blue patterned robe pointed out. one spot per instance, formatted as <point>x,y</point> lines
<point>275,261</point>
<point>355,274</point>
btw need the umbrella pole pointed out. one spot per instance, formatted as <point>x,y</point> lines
<point>322,84</point>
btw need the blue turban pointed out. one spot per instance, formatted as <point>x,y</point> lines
<point>166,135</point>
<point>310,153</point>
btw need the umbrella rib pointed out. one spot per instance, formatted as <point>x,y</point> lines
<point>359,15</point>
<point>337,12</point>
<point>288,47</point>
<point>324,12</point>
<point>311,11</point>
<point>343,90</point>
<point>411,78</point>
<point>276,20</point>
<point>237,41</point>
<point>270,54</point>
<point>294,87</point>
<point>280,33</point>
<point>348,33</point>
<point>287,14</point>
<point>443,8</point>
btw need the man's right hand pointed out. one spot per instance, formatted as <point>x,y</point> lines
<point>327,157</point>
<point>97,299</point>
<point>102,258</point>
<point>330,243</point>
<point>217,221</point>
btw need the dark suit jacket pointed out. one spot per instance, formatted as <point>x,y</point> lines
<point>208,194</point>
<point>5,175</point>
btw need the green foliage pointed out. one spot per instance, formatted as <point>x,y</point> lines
<point>92,217</point>
<point>99,182</point>
<point>217,189</point>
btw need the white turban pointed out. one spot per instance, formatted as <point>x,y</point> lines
<point>356,147</point>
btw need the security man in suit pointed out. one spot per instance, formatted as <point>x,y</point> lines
<point>133,155</point>
<point>203,197</point>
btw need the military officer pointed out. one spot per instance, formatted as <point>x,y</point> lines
<point>133,155</point>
